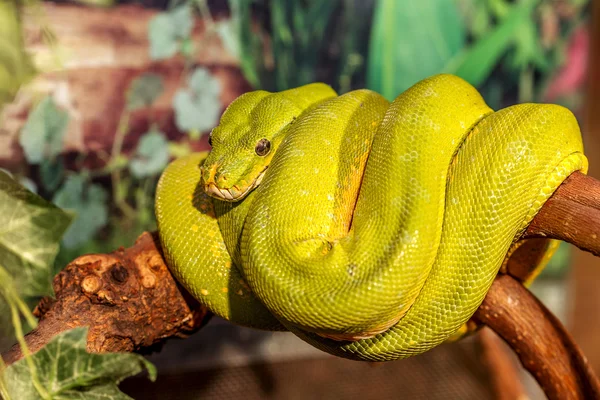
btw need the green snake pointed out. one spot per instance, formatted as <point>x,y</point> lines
<point>372,230</point>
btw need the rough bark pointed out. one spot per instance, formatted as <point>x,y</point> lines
<point>128,298</point>
<point>572,214</point>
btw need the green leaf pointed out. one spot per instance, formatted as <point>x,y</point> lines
<point>167,30</point>
<point>144,90</point>
<point>89,204</point>
<point>198,107</point>
<point>67,371</point>
<point>30,231</point>
<point>528,48</point>
<point>151,155</point>
<point>249,43</point>
<point>42,135</point>
<point>410,41</point>
<point>476,63</point>
<point>51,173</point>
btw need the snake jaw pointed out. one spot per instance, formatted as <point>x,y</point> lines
<point>233,193</point>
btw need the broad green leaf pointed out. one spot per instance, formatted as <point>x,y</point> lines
<point>411,40</point>
<point>167,30</point>
<point>198,107</point>
<point>30,232</point>
<point>67,371</point>
<point>89,204</point>
<point>151,155</point>
<point>144,90</point>
<point>476,63</point>
<point>42,135</point>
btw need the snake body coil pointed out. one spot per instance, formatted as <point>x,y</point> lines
<point>371,230</point>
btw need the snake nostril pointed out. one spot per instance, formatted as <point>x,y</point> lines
<point>220,178</point>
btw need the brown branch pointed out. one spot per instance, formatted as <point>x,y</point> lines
<point>541,342</point>
<point>572,214</point>
<point>128,298</point>
<point>131,302</point>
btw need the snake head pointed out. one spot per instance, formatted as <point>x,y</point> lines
<point>248,135</point>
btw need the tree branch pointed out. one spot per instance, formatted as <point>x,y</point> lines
<point>572,214</point>
<point>128,298</point>
<point>131,302</point>
<point>541,342</point>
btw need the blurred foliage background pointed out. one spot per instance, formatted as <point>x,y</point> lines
<point>511,50</point>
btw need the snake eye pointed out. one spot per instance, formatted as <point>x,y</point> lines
<point>263,147</point>
<point>210,141</point>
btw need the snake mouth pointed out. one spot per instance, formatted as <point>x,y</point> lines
<point>234,193</point>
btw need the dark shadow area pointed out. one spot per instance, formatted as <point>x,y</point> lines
<point>452,371</point>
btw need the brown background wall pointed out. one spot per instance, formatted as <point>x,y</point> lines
<point>586,268</point>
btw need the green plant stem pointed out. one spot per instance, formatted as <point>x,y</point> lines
<point>3,390</point>
<point>16,320</point>
<point>15,303</point>
<point>117,147</point>
<point>7,290</point>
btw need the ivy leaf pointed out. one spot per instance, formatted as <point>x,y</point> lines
<point>30,232</point>
<point>198,107</point>
<point>168,30</point>
<point>42,135</point>
<point>151,155</point>
<point>67,371</point>
<point>144,90</point>
<point>88,203</point>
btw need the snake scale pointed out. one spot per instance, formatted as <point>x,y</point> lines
<point>372,230</point>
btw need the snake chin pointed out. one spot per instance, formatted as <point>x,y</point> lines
<point>233,193</point>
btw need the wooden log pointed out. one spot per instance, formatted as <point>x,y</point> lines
<point>585,268</point>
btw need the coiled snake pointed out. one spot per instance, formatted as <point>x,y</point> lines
<point>372,230</point>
